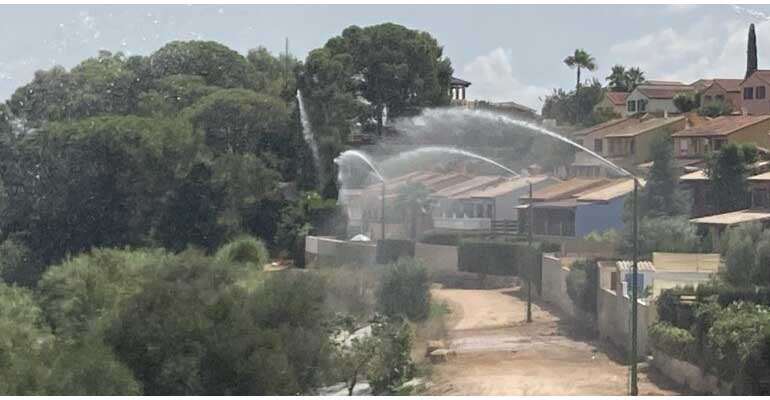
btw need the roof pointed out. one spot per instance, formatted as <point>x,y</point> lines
<point>763,74</point>
<point>761,177</point>
<point>663,91</point>
<point>512,104</point>
<point>626,265</point>
<point>735,217</point>
<point>471,184</point>
<point>565,189</point>
<point>606,127</point>
<point>617,98</point>
<point>701,84</point>
<point>723,126</point>
<point>729,85</point>
<point>609,192</point>
<point>644,126</point>
<point>663,83</point>
<point>699,175</point>
<point>459,82</point>
<point>505,187</point>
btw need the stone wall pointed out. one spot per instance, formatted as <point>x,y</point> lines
<point>685,374</point>
<point>320,250</point>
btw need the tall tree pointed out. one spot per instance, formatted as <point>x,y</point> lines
<point>751,52</point>
<point>579,60</point>
<point>661,195</point>
<point>634,78</point>
<point>728,172</point>
<point>617,79</point>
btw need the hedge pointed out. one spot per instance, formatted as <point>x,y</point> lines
<point>676,342</point>
<point>582,284</point>
<point>499,258</point>
<point>390,250</point>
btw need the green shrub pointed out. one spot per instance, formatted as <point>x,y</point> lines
<point>390,250</point>
<point>391,365</point>
<point>671,310</point>
<point>499,258</point>
<point>244,250</point>
<point>350,290</point>
<point>715,108</point>
<point>404,290</point>
<point>675,342</point>
<point>740,340</point>
<point>582,284</point>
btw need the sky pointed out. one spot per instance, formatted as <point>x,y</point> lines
<point>508,52</point>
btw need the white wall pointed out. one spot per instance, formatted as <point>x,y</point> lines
<point>653,105</point>
<point>554,282</point>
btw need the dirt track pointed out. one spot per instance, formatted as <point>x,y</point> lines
<point>499,354</point>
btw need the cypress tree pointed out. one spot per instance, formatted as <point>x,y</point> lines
<point>751,52</point>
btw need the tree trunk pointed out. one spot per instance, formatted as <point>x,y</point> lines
<point>379,120</point>
<point>577,97</point>
<point>352,384</point>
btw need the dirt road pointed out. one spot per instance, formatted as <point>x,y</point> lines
<point>499,354</point>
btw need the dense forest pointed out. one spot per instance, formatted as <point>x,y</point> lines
<point>138,194</point>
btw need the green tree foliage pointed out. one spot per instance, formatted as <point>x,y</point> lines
<point>728,171</point>
<point>582,284</point>
<point>404,290</point>
<point>617,79</point>
<point>634,77</point>
<point>751,52</point>
<point>310,214</point>
<point>273,75</point>
<point>568,107</point>
<point>715,109</point>
<point>661,195</point>
<point>747,255</point>
<point>244,250</point>
<point>17,264</point>
<point>171,94</point>
<point>686,102</point>
<point>84,294</point>
<point>216,63</point>
<point>189,216</point>
<point>25,341</point>
<point>666,234</point>
<point>391,364</point>
<point>413,201</point>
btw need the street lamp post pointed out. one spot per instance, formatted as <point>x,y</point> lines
<point>382,214</point>
<point>634,292</point>
<point>529,265</point>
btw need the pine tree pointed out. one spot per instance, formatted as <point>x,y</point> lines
<point>661,195</point>
<point>751,52</point>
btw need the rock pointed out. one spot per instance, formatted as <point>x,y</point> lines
<point>441,355</point>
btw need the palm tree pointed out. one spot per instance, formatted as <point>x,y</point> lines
<point>581,59</point>
<point>617,79</point>
<point>634,78</point>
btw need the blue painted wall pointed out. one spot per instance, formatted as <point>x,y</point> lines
<point>599,217</point>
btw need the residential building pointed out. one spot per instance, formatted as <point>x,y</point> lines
<point>576,207</point>
<point>457,88</point>
<point>754,100</point>
<point>655,97</point>
<point>714,133</point>
<point>613,101</point>
<point>625,141</point>
<point>721,90</point>
<point>696,183</point>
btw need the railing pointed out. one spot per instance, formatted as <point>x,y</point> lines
<point>463,224</point>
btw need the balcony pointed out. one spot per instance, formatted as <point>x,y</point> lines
<point>463,224</point>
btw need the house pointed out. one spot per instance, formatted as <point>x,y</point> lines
<point>720,90</point>
<point>715,133</point>
<point>576,207</point>
<point>655,97</point>
<point>457,88</point>
<point>754,90</point>
<point>696,183</point>
<point>625,141</point>
<point>612,101</point>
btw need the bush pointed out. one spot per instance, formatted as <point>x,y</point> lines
<point>715,109</point>
<point>582,284</point>
<point>676,342</point>
<point>350,290</point>
<point>499,258</point>
<point>404,290</point>
<point>390,250</point>
<point>244,250</point>
<point>18,265</point>
<point>686,102</point>
<point>671,311</point>
<point>740,339</point>
<point>391,364</point>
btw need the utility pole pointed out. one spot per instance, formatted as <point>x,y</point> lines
<point>286,61</point>
<point>529,264</point>
<point>634,292</point>
<point>382,215</point>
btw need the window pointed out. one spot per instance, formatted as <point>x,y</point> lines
<point>720,97</point>
<point>598,145</point>
<point>641,105</point>
<point>632,105</point>
<point>759,198</point>
<point>632,146</point>
<point>683,146</point>
<point>760,92</point>
<point>718,143</point>
<point>748,93</point>
<point>708,99</point>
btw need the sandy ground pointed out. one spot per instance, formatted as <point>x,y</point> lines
<point>499,354</point>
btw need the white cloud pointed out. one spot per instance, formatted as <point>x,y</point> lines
<point>493,78</point>
<point>710,48</point>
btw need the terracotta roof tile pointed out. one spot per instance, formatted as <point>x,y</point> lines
<point>663,91</point>
<point>722,126</point>
<point>617,98</point>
